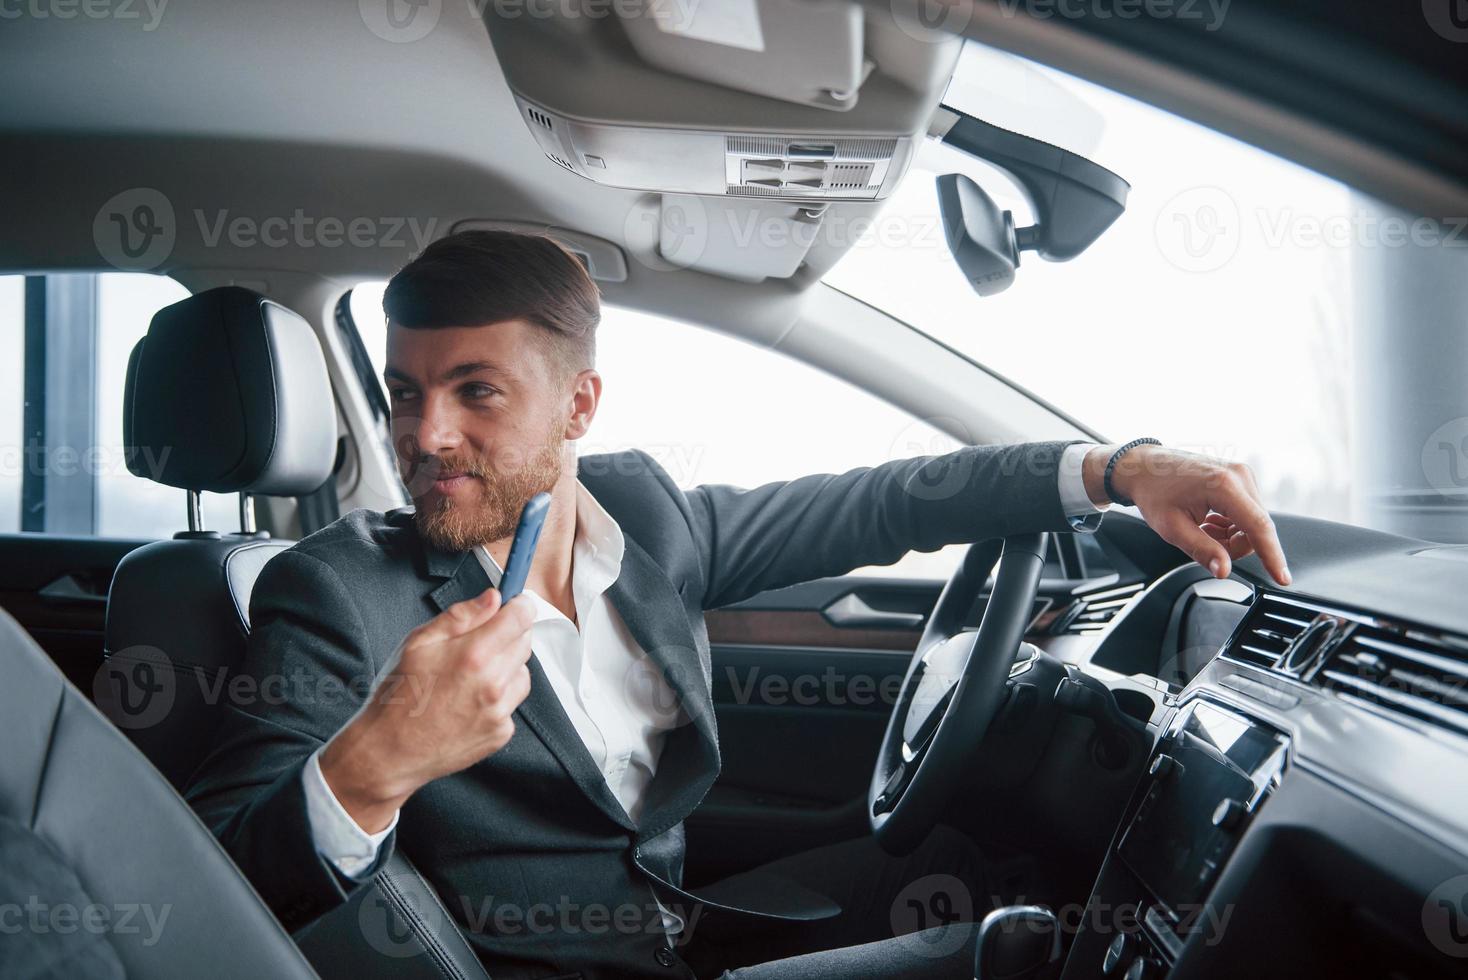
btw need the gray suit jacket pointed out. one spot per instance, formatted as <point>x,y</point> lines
<point>529,849</point>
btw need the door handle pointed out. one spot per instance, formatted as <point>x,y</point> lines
<point>68,591</point>
<point>851,612</point>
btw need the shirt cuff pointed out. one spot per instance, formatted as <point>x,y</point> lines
<point>336,835</point>
<point>1075,502</point>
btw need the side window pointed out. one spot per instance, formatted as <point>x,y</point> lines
<point>714,409</point>
<point>12,371</point>
<point>711,408</point>
<point>62,460</point>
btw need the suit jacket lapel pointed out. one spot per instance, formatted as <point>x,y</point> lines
<point>653,612</point>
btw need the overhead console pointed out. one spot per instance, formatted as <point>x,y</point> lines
<point>785,100</point>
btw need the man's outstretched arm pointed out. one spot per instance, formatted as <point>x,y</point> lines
<point>824,525</point>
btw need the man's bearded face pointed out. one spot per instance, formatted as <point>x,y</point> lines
<point>478,424</point>
<point>463,500</point>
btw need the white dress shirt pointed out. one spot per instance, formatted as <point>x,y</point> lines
<point>615,697</point>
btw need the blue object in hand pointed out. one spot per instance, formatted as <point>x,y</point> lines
<point>522,550</point>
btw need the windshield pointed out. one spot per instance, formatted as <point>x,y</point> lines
<point>1216,314</point>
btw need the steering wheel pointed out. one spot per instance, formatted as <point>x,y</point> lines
<point>954,686</point>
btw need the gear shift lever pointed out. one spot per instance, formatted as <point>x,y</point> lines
<point>1015,942</point>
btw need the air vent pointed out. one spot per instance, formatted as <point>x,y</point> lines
<point>558,160</point>
<point>1267,632</point>
<point>1092,611</point>
<point>1410,672</point>
<point>540,118</point>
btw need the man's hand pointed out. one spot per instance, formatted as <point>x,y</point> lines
<point>443,705</point>
<point>1209,508</point>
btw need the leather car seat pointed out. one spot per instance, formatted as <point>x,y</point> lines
<point>229,393</point>
<point>103,839</point>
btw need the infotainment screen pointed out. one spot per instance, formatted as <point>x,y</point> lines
<point>1213,773</point>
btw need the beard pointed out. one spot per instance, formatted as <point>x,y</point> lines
<point>452,524</point>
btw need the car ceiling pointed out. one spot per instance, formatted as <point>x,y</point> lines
<point>274,106</point>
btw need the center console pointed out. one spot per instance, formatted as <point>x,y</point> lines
<point>1211,771</point>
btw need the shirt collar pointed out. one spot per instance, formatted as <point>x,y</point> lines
<point>596,554</point>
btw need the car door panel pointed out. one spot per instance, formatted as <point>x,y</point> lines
<point>804,680</point>
<point>56,587</point>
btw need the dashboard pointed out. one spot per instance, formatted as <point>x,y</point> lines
<point>1303,810</point>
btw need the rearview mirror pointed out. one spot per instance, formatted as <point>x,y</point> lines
<point>1074,201</point>
<point>980,236</point>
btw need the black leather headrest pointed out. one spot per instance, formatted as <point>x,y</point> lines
<point>228,392</point>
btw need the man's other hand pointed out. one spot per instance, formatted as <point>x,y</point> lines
<point>1208,508</point>
<point>444,704</point>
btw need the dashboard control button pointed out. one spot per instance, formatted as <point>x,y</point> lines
<point>1162,766</point>
<point>1229,814</point>
<point>1116,954</point>
<point>1143,968</point>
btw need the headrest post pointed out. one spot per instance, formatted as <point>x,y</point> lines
<point>247,514</point>
<point>196,511</point>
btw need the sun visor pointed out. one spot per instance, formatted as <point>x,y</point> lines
<point>804,51</point>
<point>747,241</point>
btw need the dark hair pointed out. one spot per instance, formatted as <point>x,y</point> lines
<point>474,278</point>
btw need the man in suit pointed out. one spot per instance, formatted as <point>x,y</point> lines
<point>537,759</point>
